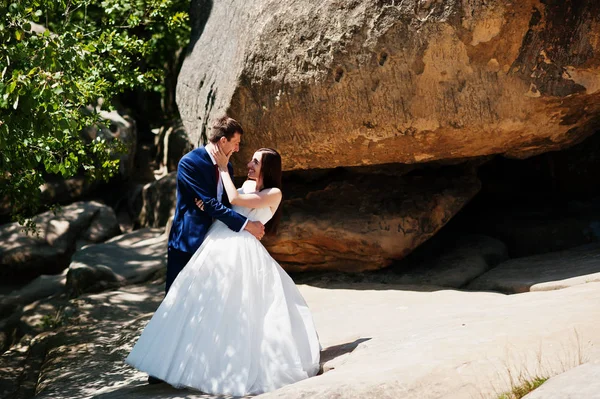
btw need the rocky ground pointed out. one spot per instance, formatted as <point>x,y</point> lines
<point>396,86</point>
<point>385,335</point>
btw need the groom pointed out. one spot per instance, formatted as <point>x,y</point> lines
<point>198,178</point>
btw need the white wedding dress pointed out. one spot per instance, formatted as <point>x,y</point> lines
<point>233,322</point>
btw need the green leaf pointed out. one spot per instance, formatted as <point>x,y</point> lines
<point>11,87</point>
<point>48,78</point>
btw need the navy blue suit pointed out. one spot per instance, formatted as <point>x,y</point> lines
<point>196,178</point>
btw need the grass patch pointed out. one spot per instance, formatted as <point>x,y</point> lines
<point>523,388</point>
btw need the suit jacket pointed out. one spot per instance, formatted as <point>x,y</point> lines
<point>196,178</point>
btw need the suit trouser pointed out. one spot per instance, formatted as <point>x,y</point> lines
<point>176,261</point>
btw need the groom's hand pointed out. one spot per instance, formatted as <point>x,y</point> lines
<point>257,229</point>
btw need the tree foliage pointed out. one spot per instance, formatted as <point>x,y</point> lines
<point>57,58</point>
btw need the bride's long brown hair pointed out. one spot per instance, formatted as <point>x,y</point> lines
<point>271,177</point>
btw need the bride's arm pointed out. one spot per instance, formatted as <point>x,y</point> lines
<point>269,197</point>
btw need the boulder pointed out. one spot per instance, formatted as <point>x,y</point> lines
<point>351,219</point>
<point>115,126</point>
<point>366,221</point>
<point>127,259</point>
<point>342,83</point>
<point>25,256</point>
<point>56,189</point>
<point>158,200</point>
<point>537,231</point>
<point>172,142</point>
<point>544,272</point>
<point>41,287</point>
<point>103,226</point>
<point>469,257</point>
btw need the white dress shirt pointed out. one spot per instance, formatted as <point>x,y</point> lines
<point>219,182</point>
<point>220,188</point>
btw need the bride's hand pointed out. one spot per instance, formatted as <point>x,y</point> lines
<point>220,157</point>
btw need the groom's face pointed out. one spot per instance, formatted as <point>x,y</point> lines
<point>229,146</point>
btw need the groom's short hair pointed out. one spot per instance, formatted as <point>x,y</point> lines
<point>225,127</point>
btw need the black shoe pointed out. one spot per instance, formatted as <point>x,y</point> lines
<point>154,380</point>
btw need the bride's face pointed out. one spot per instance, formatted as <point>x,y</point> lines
<point>254,166</point>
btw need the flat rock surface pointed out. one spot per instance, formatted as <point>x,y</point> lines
<point>127,259</point>
<point>469,257</point>
<point>381,341</point>
<point>580,382</point>
<point>550,271</point>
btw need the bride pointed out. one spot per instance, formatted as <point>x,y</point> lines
<point>233,321</point>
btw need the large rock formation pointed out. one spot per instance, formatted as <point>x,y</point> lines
<point>342,83</point>
<point>365,221</point>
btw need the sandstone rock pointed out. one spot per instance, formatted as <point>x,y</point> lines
<point>172,143</point>
<point>535,232</point>
<point>119,127</point>
<point>542,204</point>
<point>56,190</point>
<point>41,287</point>
<point>440,344</point>
<point>470,257</point>
<point>571,172</point>
<point>550,271</point>
<point>378,343</point>
<point>82,278</point>
<point>20,368</point>
<point>364,222</point>
<point>580,382</point>
<point>103,227</point>
<point>126,259</point>
<point>65,191</point>
<point>95,321</point>
<point>347,83</point>
<point>25,322</point>
<point>445,261</point>
<point>158,200</point>
<point>27,256</point>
